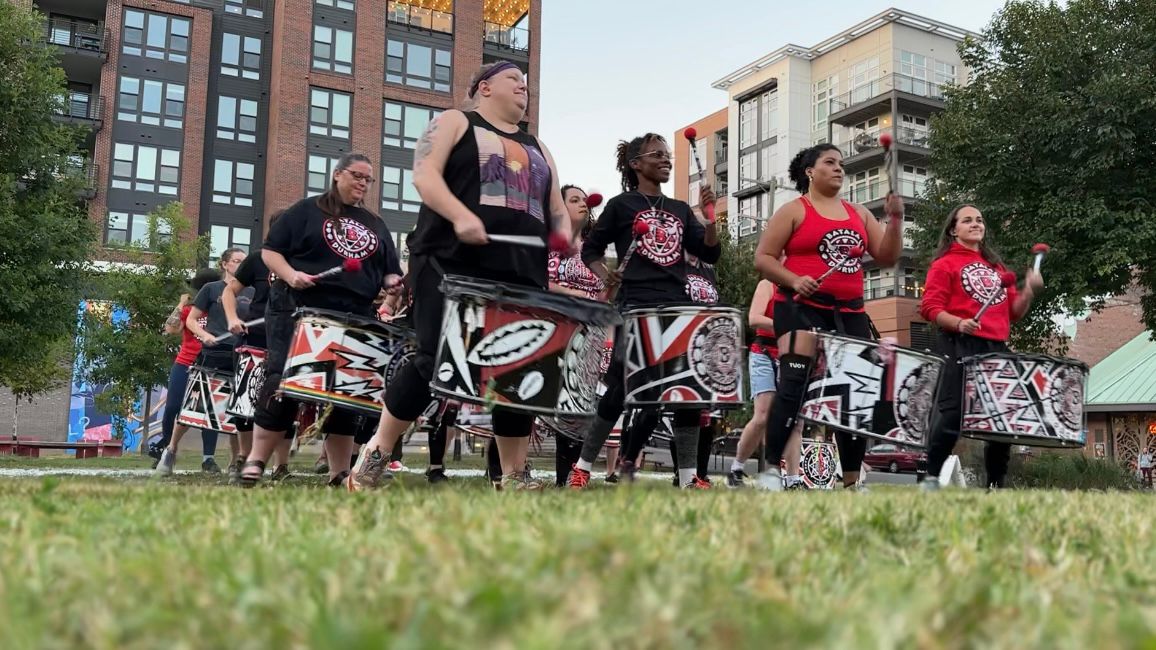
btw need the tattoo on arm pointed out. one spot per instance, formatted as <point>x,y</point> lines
<point>425,143</point>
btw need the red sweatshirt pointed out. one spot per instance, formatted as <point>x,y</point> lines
<point>959,283</point>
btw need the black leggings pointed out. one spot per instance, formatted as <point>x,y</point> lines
<point>566,453</point>
<point>408,395</point>
<point>791,316</point>
<point>948,417</point>
<point>705,440</point>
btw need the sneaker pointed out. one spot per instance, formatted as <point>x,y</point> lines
<point>234,471</point>
<point>629,471</point>
<point>280,474</point>
<point>697,484</point>
<point>368,474</point>
<point>321,466</point>
<point>736,479</point>
<point>612,479</point>
<point>861,488</point>
<point>396,466</point>
<point>338,481</point>
<point>436,475</point>
<point>519,482</point>
<point>674,481</point>
<point>796,486</point>
<point>579,478</point>
<point>166,463</point>
<point>770,480</point>
<point>155,453</point>
<point>210,466</point>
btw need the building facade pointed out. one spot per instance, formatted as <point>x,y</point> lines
<point>711,144</point>
<point>238,108</point>
<point>886,73</point>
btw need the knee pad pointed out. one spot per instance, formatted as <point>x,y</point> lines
<point>794,374</point>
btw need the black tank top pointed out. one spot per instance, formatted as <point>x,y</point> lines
<point>505,180</point>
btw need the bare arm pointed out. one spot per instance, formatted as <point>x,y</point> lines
<point>173,322</point>
<point>1023,302</point>
<point>557,288</point>
<point>429,163</point>
<point>884,245</point>
<point>201,333</point>
<point>560,217</point>
<point>757,314</point>
<point>778,232</point>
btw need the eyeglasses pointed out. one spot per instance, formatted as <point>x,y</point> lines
<point>657,155</point>
<point>358,176</point>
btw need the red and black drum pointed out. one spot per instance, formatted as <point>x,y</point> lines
<point>206,400</point>
<point>1023,399</point>
<point>344,359</point>
<point>520,348</point>
<point>248,377</point>
<point>684,356</point>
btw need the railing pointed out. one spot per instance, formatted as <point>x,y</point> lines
<point>82,106</point>
<point>886,84</point>
<point>76,35</point>
<point>415,16</point>
<point>876,190</point>
<point>908,288</point>
<point>861,141</point>
<point>721,153</point>
<point>514,38</point>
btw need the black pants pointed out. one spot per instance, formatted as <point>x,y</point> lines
<point>948,416</point>
<point>791,316</point>
<point>566,454</point>
<point>408,395</point>
<point>702,462</point>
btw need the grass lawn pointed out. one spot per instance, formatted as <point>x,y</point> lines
<point>132,563</point>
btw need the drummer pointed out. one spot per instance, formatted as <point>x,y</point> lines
<point>656,274</point>
<point>965,272</point>
<point>817,232</point>
<point>477,173</point>
<point>314,235</point>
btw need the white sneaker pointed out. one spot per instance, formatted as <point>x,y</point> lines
<point>165,466</point>
<point>770,480</point>
<point>930,485</point>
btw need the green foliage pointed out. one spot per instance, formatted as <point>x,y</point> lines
<point>1053,140</point>
<point>735,271</point>
<point>1069,471</point>
<point>45,235</point>
<point>133,354</point>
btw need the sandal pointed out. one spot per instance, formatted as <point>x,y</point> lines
<point>249,479</point>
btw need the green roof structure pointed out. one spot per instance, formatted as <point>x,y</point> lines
<point>1125,380</point>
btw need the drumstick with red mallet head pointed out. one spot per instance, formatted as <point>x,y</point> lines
<point>853,253</point>
<point>690,133</point>
<point>1006,279</point>
<point>348,266</point>
<point>640,229</point>
<point>1040,250</point>
<point>593,200</point>
<point>885,141</point>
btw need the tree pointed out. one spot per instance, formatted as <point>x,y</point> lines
<point>735,271</point>
<point>1054,139</point>
<point>122,338</point>
<point>45,236</point>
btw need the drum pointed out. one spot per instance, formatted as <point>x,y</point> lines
<point>206,400</point>
<point>520,348</point>
<point>1021,399</point>
<point>689,354</point>
<point>818,464</point>
<point>872,389</point>
<point>575,428</point>
<point>248,377</point>
<point>344,359</point>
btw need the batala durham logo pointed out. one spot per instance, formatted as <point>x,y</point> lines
<point>663,243</point>
<point>350,238</point>
<point>714,356</point>
<point>980,280</point>
<point>835,247</point>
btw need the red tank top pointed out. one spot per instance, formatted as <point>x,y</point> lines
<point>819,244</point>
<point>772,345</point>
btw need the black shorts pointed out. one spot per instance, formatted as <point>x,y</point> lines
<point>790,316</point>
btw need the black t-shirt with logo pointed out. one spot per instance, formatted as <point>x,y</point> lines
<point>505,179</point>
<point>701,281</point>
<point>313,242</point>
<point>657,271</point>
<point>254,274</point>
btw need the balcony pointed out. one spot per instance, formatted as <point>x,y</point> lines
<point>874,97</point>
<point>91,172</point>
<point>512,38</point>
<point>872,194</point>
<point>82,108</point>
<point>422,18</point>
<point>77,36</point>
<point>864,150</point>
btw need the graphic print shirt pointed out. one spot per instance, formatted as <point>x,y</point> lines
<point>656,271</point>
<point>505,180</point>
<point>959,283</point>
<point>572,273</point>
<point>820,244</point>
<point>701,282</point>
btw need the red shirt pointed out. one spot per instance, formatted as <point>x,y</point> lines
<point>820,244</point>
<point>190,346</point>
<point>959,283</point>
<point>773,348</point>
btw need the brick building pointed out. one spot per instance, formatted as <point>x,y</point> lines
<point>238,108</point>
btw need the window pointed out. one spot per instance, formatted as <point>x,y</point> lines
<point>222,238</point>
<point>912,180</point>
<point>397,190</point>
<point>864,135</point>
<point>914,122</point>
<point>241,56</point>
<point>339,4</point>
<point>748,129</point>
<point>236,119</point>
<point>151,102</point>
<point>329,113</point>
<point>863,75</point>
<point>332,49</point>
<point>914,74</point>
<point>250,8</point>
<point>413,15</point>
<point>769,115</point>
<point>865,186</point>
<point>873,284</point>
<point>824,91</point>
<point>156,36</point>
<point>146,169</point>
<point>233,183</point>
<point>750,211</point>
<point>912,283</point>
<point>125,227</point>
<point>400,241</point>
<point>419,66</point>
<point>768,161</point>
<point>748,169</point>
<point>404,124</point>
<point>320,175</point>
<point>944,73</point>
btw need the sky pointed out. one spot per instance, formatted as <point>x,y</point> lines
<point>615,69</point>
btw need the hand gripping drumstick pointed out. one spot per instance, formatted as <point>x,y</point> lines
<point>690,133</point>
<point>348,266</point>
<point>641,228</point>
<point>853,253</point>
<point>255,321</point>
<point>1006,279</point>
<point>1040,250</point>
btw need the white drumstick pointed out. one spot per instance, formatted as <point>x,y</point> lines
<point>520,240</point>
<point>256,321</point>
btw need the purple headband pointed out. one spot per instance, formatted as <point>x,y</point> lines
<point>498,67</point>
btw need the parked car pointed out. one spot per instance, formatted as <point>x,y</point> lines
<point>895,459</point>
